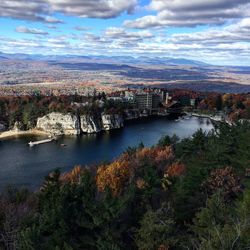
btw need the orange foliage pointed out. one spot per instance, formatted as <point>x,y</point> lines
<point>155,155</point>
<point>116,175</point>
<point>113,176</point>
<point>72,176</point>
<point>164,155</point>
<point>145,154</point>
<point>176,169</point>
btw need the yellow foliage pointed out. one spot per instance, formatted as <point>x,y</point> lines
<point>113,176</point>
<point>117,175</point>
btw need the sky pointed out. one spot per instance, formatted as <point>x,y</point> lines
<point>213,31</point>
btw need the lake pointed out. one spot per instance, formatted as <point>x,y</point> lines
<point>21,165</point>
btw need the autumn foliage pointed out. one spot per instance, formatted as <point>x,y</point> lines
<point>223,179</point>
<point>148,198</point>
<point>124,170</point>
<point>73,176</point>
<point>176,169</point>
<point>113,176</point>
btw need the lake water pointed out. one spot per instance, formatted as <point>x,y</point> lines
<point>21,165</point>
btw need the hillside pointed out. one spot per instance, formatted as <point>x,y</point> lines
<point>193,194</point>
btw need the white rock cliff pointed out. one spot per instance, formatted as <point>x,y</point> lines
<point>112,121</point>
<point>68,124</point>
<point>89,124</point>
<point>59,124</point>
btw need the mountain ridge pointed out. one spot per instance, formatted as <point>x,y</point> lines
<point>111,59</point>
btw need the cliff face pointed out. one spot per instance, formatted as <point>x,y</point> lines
<point>59,124</point>
<point>112,121</point>
<point>89,124</point>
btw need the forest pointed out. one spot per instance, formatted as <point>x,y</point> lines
<point>26,109</point>
<point>192,193</point>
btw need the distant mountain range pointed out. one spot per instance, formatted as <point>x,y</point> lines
<point>107,59</point>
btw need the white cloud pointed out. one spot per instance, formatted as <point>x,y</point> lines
<point>190,13</point>
<point>41,10</point>
<point>118,33</point>
<point>226,45</point>
<point>23,29</point>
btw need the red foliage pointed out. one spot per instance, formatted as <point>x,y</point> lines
<point>176,169</point>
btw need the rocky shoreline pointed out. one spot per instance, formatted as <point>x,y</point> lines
<point>70,124</point>
<point>58,124</point>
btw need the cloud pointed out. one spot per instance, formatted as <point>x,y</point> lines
<point>36,10</point>
<point>82,28</point>
<point>23,29</point>
<point>41,10</point>
<point>49,19</point>
<point>120,33</point>
<point>229,44</point>
<point>234,33</point>
<point>94,9</point>
<point>191,13</point>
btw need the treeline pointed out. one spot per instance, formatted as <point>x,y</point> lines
<point>26,109</point>
<point>236,106</point>
<point>179,194</point>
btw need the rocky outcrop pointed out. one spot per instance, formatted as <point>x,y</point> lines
<point>90,124</point>
<point>59,124</point>
<point>113,121</point>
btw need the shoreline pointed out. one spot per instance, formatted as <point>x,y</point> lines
<point>12,133</point>
<point>214,118</point>
<point>36,132</point>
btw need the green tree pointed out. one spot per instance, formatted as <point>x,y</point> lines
<point>221,226</point>
<point>157,228</point>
